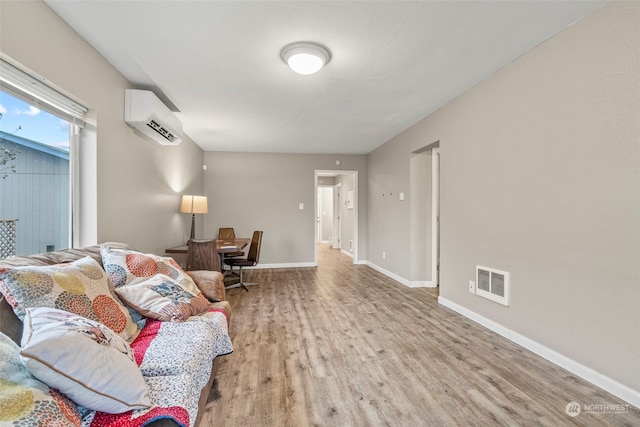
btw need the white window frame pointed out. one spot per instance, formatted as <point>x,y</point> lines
<point>22,83</point>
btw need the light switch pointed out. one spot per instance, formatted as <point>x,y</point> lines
<point>301,206</point>
<point>401,196</point>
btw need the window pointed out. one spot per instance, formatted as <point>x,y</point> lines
<point>39,131</point>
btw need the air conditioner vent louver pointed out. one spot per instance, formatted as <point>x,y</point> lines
<point>162,131</point>
<point>493,284</point>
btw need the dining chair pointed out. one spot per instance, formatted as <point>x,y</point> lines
<point>252,259</point>
<point>228,233</point>
<point>202,254</point>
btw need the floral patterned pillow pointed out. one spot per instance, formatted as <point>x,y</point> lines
<point>126,267</point>
<point>162,298</point>
<point>80,287</point>
<point>25,400</point>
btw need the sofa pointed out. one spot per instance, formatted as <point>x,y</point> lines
<point>74,351</point>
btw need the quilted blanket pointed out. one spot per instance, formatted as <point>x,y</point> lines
<point>175,360</point>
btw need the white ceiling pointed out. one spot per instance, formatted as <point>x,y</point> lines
<point>393,62</point>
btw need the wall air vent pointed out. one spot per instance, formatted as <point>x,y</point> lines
<point>493,284</point>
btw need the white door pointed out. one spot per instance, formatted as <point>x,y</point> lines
<point>324,216</point>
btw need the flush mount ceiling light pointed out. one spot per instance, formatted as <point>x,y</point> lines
<point>305,57</point>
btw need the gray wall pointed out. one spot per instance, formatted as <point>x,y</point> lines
<point>539,177</point>
<point>132,192</point>
<point>388,218</point>
<point>259,191</point>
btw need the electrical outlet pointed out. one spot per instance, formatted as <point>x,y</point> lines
<point>384,255</point>
<point>472,286</point>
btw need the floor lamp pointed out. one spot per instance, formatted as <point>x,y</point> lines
<point>194,205</point>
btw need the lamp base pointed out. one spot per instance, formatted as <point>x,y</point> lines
<point>193,226</point>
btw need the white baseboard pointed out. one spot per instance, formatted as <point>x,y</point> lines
<point>388,273</point>
<point>283,265</point>
<point>614,387</point>
<point>347,253</point>
<point>408,283</point>
<point>421,284</point>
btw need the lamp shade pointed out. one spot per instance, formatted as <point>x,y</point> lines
<point>194,205</point>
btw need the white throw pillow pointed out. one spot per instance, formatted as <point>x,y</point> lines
<point>83,359</point>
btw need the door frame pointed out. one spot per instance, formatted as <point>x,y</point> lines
<point>318,215</point>
<point>435,216</point>
<point>356,211</point>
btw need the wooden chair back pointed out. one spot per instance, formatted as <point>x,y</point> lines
<point>254,249</point>
<point>203,255</point>
<point>226,233</point>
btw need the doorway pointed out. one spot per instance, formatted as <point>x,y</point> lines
<point>424,209</point>
<point>343,215</point>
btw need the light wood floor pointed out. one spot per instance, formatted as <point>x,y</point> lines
<point>342,345</point>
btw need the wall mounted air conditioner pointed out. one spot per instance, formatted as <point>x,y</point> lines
<point>144,112</point>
